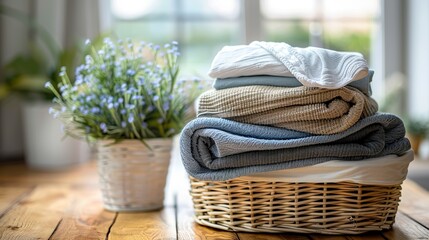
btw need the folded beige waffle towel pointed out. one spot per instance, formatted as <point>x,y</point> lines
<point>306,109</point>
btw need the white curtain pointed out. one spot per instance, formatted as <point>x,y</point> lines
<point>67,21</point>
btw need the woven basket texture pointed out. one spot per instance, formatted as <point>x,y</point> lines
<point>327,208</point>
<point>132,176</point>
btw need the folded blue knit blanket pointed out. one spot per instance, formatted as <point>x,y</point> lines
<point>218,149</point>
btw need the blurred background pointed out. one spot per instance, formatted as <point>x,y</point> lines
<point>38,36</point>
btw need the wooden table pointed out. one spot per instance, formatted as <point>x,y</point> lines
<point>67,205</point>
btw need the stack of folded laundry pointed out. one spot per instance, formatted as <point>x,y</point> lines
<point>297,113</point>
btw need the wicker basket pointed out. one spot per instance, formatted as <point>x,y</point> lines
<point>132,177</point>
<point>261,206</point>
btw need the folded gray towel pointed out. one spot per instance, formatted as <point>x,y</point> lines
<point>363,85</point>
<point>218,149</point>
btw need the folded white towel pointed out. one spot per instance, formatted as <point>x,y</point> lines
<point>313,67</point>
<point>386,170</point>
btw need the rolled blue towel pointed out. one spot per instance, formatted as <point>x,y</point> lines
<point>218,149</point>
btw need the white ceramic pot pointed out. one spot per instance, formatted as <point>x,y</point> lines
<point>45,145</point>
<point>132,176</point>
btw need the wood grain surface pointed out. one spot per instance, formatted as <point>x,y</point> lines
<point>68,205</point>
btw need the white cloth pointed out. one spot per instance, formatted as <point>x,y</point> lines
<point>313,67</point>
<point>387,170</point>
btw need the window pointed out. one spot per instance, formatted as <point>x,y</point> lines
<point>345,25</point>
<point>204,26</point>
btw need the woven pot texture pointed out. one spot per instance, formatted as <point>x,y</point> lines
<point>132,176</point>
<point>327,208</point>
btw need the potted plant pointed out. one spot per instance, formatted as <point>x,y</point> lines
<point>417,130</point>
<point>126,97</point>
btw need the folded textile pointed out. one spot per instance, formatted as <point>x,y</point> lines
<point>386,170</point>
<point>219,149</point>
<point>363,85</point>
<point>313,67</point>
<point>312,110</point>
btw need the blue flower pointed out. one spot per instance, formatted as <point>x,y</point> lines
<point>103,127</point>
<point>131,119</point>
<point>130,106</point>
<point>131,90</point>
<point>110,106</point>
<point>51,110</point>
<point>123,111</point>
<point>136,97</point>
<point>144,124</point>
<point>63,88</point>
<point>155,98</point>
<point>88,60</point>
<point>87,41</point>
<point>123,124</point>
<point>107,41</point>
<point>47,84</point>
<point>87,79</point>
<point>166,106</point>
<point>79,69</point>
<point>120,100</point>
<point>141,115</point>
<point>160,120</point>
<point>95,110</point>
<point>103,67</point>
<point>79,80</point>
<point>131,72</point>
